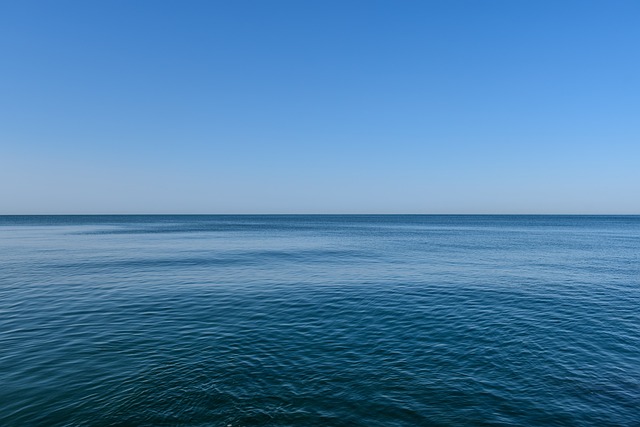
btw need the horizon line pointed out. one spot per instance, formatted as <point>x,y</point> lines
<point>320,214</point>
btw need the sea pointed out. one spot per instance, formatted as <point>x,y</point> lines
<point>320,320</point>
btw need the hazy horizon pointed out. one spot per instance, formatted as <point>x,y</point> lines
<point>363,214</point>
<point>315,107</point>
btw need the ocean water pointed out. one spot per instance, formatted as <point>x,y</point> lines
<point>320,321</point>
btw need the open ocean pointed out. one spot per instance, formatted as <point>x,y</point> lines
<point>320,320</point>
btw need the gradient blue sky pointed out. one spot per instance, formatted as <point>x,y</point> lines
<point>319,106</point>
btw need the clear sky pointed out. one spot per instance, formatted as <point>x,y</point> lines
<point>478,106</point>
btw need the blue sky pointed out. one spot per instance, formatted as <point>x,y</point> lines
<point>319,106</point>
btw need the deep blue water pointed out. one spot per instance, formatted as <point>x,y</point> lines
<point>320,320</point>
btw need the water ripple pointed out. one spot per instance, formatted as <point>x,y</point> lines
<point>316,321</point>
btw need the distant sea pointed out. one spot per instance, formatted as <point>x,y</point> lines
<point>320,320</point>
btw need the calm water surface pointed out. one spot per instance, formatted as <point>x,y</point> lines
<point>320,321</point>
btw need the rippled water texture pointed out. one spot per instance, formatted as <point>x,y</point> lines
<point>320,320</point>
